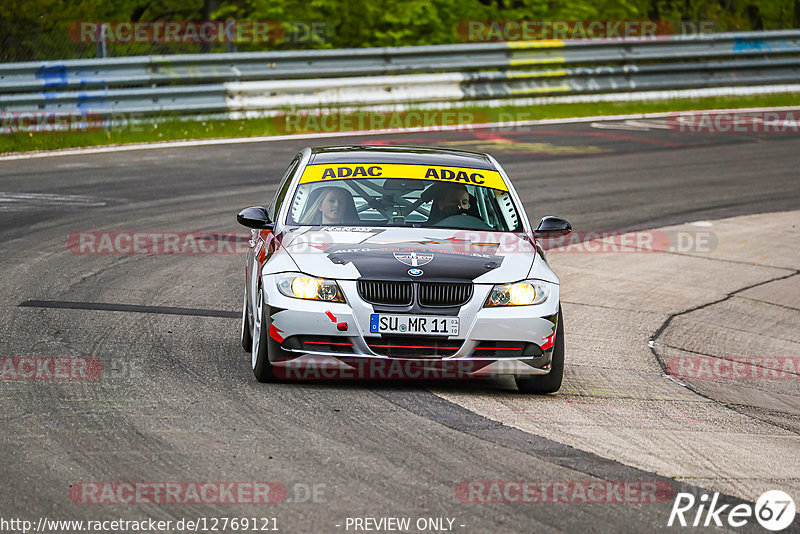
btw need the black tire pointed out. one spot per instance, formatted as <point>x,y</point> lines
<point>247,336</point>
<point>551,382</point>
<point>259,352</point>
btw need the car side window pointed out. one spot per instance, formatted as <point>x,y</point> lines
<point>283,186</point>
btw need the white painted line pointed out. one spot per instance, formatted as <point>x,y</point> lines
<point>359,133</point>
<point>633,125</point>
<point>21,201</point>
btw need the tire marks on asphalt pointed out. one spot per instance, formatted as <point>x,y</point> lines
<point>115,307</point>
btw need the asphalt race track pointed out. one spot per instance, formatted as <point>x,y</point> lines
<point>177,400</point>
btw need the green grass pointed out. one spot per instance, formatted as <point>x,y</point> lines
<point>176,129</point>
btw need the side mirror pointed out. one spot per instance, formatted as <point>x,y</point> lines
<point>254,217</point>
<point>552,227</point>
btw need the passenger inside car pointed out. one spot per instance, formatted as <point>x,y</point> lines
<point>330,205</point>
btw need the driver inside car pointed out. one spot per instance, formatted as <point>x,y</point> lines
<point>453,199</point>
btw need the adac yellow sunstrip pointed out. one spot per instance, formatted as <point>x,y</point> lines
<point>459,175</point>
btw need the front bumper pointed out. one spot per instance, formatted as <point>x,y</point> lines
<point>329,338</point>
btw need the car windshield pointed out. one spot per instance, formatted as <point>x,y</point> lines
<point>478,201</point>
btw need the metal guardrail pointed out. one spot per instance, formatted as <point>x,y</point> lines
<point>272,81</point>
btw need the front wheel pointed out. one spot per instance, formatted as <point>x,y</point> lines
<point>551,382</point>
<point>262,368</point>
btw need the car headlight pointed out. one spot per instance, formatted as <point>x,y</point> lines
<point>301,286</point>
<point>525,293</point>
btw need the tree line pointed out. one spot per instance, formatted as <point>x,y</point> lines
<point>52,29</point>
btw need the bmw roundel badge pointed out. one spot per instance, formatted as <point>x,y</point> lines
<point>415,272</point>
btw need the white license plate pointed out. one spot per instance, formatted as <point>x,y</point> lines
<point>431,325</point>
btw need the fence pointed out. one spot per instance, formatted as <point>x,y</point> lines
<point>269,82</point>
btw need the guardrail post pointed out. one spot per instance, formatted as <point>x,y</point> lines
<point>230,46</point>
<point>100,44</point>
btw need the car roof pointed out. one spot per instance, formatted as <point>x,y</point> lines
<point>413,155</point>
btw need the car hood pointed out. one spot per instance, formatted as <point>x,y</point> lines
<point>410,254</point>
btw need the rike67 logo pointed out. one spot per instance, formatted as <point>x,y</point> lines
<point>774,511</point>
